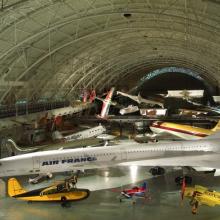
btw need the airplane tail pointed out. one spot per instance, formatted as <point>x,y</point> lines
<point>217,127</point>
<point>14,187</point>
<point>16,149</point>
<point>139,98</point>
<point>56,135</point>
<point>144,186</point>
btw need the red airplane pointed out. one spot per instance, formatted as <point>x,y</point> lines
<point>139,192</point>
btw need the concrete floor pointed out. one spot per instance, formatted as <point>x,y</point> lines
<point>103,202</point>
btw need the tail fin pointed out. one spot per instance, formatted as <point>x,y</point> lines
<point>19,149</point>
<point>217,127</point>
<point>215,135</point>
<point>14,188</point>
<point>139,98</point>
<point>56,135</point>
<point>144,186</point>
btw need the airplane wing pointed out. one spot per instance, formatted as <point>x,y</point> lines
<point>164,136</point>
<point>125,195</point>
<point>206,160</point>
<point>135,98</point>
<point>174,133</point>
<point>148,101</point>
<point>206,201</point>
<point>98,98</point>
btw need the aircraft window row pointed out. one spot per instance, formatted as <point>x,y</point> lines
<point>136,151</point>
<point>80,156</point>
<point>155,149</point>
<point>93,131</point>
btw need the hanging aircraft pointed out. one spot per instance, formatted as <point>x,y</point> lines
<point>134,192</point>
<point>88,133</point>
<point>129,109</point>
<point>82,138</point>
<point>140,100</point>
<point>60,192</point>
<point>200,195</point>
<point>186,132</point>
<point>185,94</point>
<point>190,107</point>
<point>106,103</point>
<point>194,153</point>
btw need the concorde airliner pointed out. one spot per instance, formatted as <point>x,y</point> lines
<point>197,153</point>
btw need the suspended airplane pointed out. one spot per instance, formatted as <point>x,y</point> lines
<point>140,100</point>
<point>190,107</point>
<point>88,133</point>
<point>134,192</point>
<point>186,132</point>
<point>200,195</point>
<point>129,109</point>
<point>195,153</point>
<point>82,138</point>
<point>61,191</point>
<point>192,113</point>
<point>106,103</point>
<point>185,94</point>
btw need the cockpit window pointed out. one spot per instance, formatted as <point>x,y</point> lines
<point>49,191</point>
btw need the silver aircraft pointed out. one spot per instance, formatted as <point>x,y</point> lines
<point>197,153</point>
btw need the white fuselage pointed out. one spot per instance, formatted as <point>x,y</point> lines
<point>88,158</point>
<point>88,133</point>
<point>129,109</point>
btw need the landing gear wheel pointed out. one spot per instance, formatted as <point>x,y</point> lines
<point>192,202</point>
<point>49,176</point>
<point>64,201</point>
<point>157,171</point>
<point>179,180</point>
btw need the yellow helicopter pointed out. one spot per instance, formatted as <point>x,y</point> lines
<point>200,195</point>
<point>63,191</point>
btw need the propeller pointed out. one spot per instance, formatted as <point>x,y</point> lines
<point>183,187</point>
<point>193,202</point>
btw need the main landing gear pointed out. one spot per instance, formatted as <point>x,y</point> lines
<point>157,171</point>
<point>179,180</point>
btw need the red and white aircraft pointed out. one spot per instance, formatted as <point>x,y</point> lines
<point>106,103</point>
<point>134,192</point>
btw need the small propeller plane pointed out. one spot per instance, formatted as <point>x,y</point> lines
<point>63,191</point>
<point>200,195</point>
<point>134,192</point>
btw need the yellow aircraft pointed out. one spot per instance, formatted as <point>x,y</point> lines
<point>182,131</point>
<point>200,195</point>
<point>63,191</point>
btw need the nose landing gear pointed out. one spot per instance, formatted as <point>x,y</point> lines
<point>157,171</point>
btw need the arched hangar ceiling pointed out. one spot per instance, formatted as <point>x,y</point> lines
<point>55,48</point>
